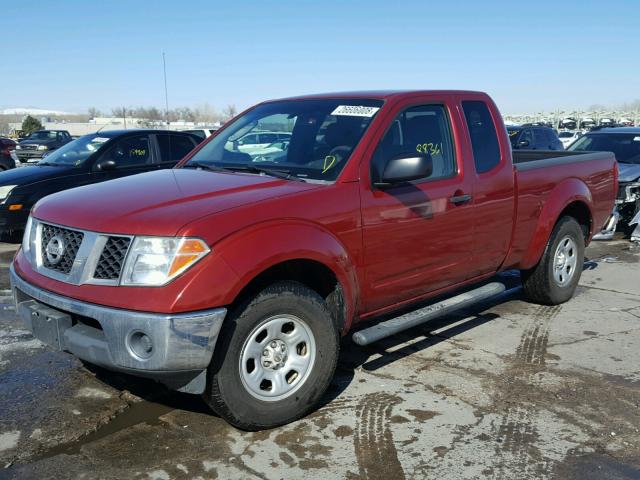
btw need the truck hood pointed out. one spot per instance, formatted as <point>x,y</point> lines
<point>628,172</point>
<point>160,202</point>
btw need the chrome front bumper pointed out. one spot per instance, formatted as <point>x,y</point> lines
<point>181,344</point>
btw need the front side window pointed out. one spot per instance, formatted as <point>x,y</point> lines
<point>322,134</point>
<point>484,139</point>
<point>130,151</point>
<point>422,129</point>
<point>527,136</point>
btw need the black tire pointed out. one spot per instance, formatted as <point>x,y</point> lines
<point>540,284</point>
<point>230,398</point>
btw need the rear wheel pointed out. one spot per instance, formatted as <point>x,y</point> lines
<point>275,357</point>
<point>554,279</point>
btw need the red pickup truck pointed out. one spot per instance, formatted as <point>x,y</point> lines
<point>235,274</point>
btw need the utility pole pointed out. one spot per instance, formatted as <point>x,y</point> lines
<point>166,95</point>
<point>124,116</point>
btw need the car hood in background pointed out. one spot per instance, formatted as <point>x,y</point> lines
<point>160,202</point>
<point>38,142</point>
<point>628,172</point>
<point>32,174</point>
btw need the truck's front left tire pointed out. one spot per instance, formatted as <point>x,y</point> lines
<point>274,359</point>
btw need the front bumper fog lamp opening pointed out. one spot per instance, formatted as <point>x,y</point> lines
<point>140,345</point>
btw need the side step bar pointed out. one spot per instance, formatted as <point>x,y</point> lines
<point>418,317</point>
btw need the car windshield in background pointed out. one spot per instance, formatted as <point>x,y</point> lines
<point>513,135</point>
<point>41,136</point>
<point>307,139</point>
<point>625,146</point>
<point>566,134</point>
<point>76,152</point>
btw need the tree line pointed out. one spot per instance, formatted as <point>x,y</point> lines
<point>203,113</point>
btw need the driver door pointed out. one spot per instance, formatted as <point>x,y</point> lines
<point>130,154</point>
<point>417,236</point>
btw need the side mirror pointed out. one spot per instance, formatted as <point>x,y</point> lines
<point>523,143</point>
<point>105,165</point>
<point>405,168</point>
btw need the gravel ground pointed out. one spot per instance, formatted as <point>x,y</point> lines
<point>505,390</point>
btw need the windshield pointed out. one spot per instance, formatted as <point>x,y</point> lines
<point>513,135</point>
<point>626,147</point>
<point>42,135</point>
<point>566,134</point>
<point>309,139</point>
<point>77,151</point>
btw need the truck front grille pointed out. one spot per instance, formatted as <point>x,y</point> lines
<point>59,247</point>
<point>112,258</point>
<point>29,147</point>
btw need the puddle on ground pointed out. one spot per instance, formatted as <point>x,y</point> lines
<point>142,412</point>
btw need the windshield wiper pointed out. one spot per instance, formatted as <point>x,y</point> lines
<point>284,174</point>
<point>204,166</point>
<point>49,164</point>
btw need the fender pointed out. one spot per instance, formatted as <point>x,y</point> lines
<point>563,194</point>
<point>254,249</point>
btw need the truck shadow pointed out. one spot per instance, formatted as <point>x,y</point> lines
<point>370,358</point>
<point>415,340</point>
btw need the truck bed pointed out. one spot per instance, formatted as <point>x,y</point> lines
<point>540,178</point>
<point>529,159</point>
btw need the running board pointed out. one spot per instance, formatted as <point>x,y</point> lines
<point>418,317</point>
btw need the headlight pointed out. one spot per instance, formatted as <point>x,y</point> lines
<point>43,147</point>
<point>5,190</point>
<point>155,261</point>
<point>18,147</point>
<point>26,238</point>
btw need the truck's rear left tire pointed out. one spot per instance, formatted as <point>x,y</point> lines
<point>275,357</point>
<point>555,278</point>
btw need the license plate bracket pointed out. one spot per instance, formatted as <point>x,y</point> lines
<point>47,324</point>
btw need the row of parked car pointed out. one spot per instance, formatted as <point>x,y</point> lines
<point>66,163</point>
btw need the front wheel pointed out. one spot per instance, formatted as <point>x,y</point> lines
<point>555,278</point>
<point>275,357</point>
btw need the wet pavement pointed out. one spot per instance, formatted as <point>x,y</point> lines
<point>504,390</point>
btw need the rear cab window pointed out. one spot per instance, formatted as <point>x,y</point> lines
<point>174,147</point>
<point>482,131</point>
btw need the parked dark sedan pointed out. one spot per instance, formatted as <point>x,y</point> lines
<point>625,144</point>
<point>90,159</point>
<point>534,138</point>
<point>7,154</point>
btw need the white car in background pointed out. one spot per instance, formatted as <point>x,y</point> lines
<point>257,141</point>
<point>203,133</point>
<point>569,136</point>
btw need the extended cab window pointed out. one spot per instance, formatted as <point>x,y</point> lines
<point>174,147</point>
<point>130,151</point>
<point>484,139</point>
<point>422,129</point>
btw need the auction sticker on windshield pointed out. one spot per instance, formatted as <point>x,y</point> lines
<point>355,111</point>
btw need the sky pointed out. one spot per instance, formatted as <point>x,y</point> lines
<point>530,56</point>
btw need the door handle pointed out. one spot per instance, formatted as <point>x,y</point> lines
<point>460,199</point>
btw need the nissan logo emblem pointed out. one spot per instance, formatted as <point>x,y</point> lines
<point>55,250</point>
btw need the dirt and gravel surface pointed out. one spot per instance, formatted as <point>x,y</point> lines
<point>505,390</point>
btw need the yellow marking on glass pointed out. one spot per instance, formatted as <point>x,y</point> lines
<point>331,159</point>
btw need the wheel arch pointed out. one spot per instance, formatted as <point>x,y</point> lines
<point>569,198</point>
<point>305,253</point>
